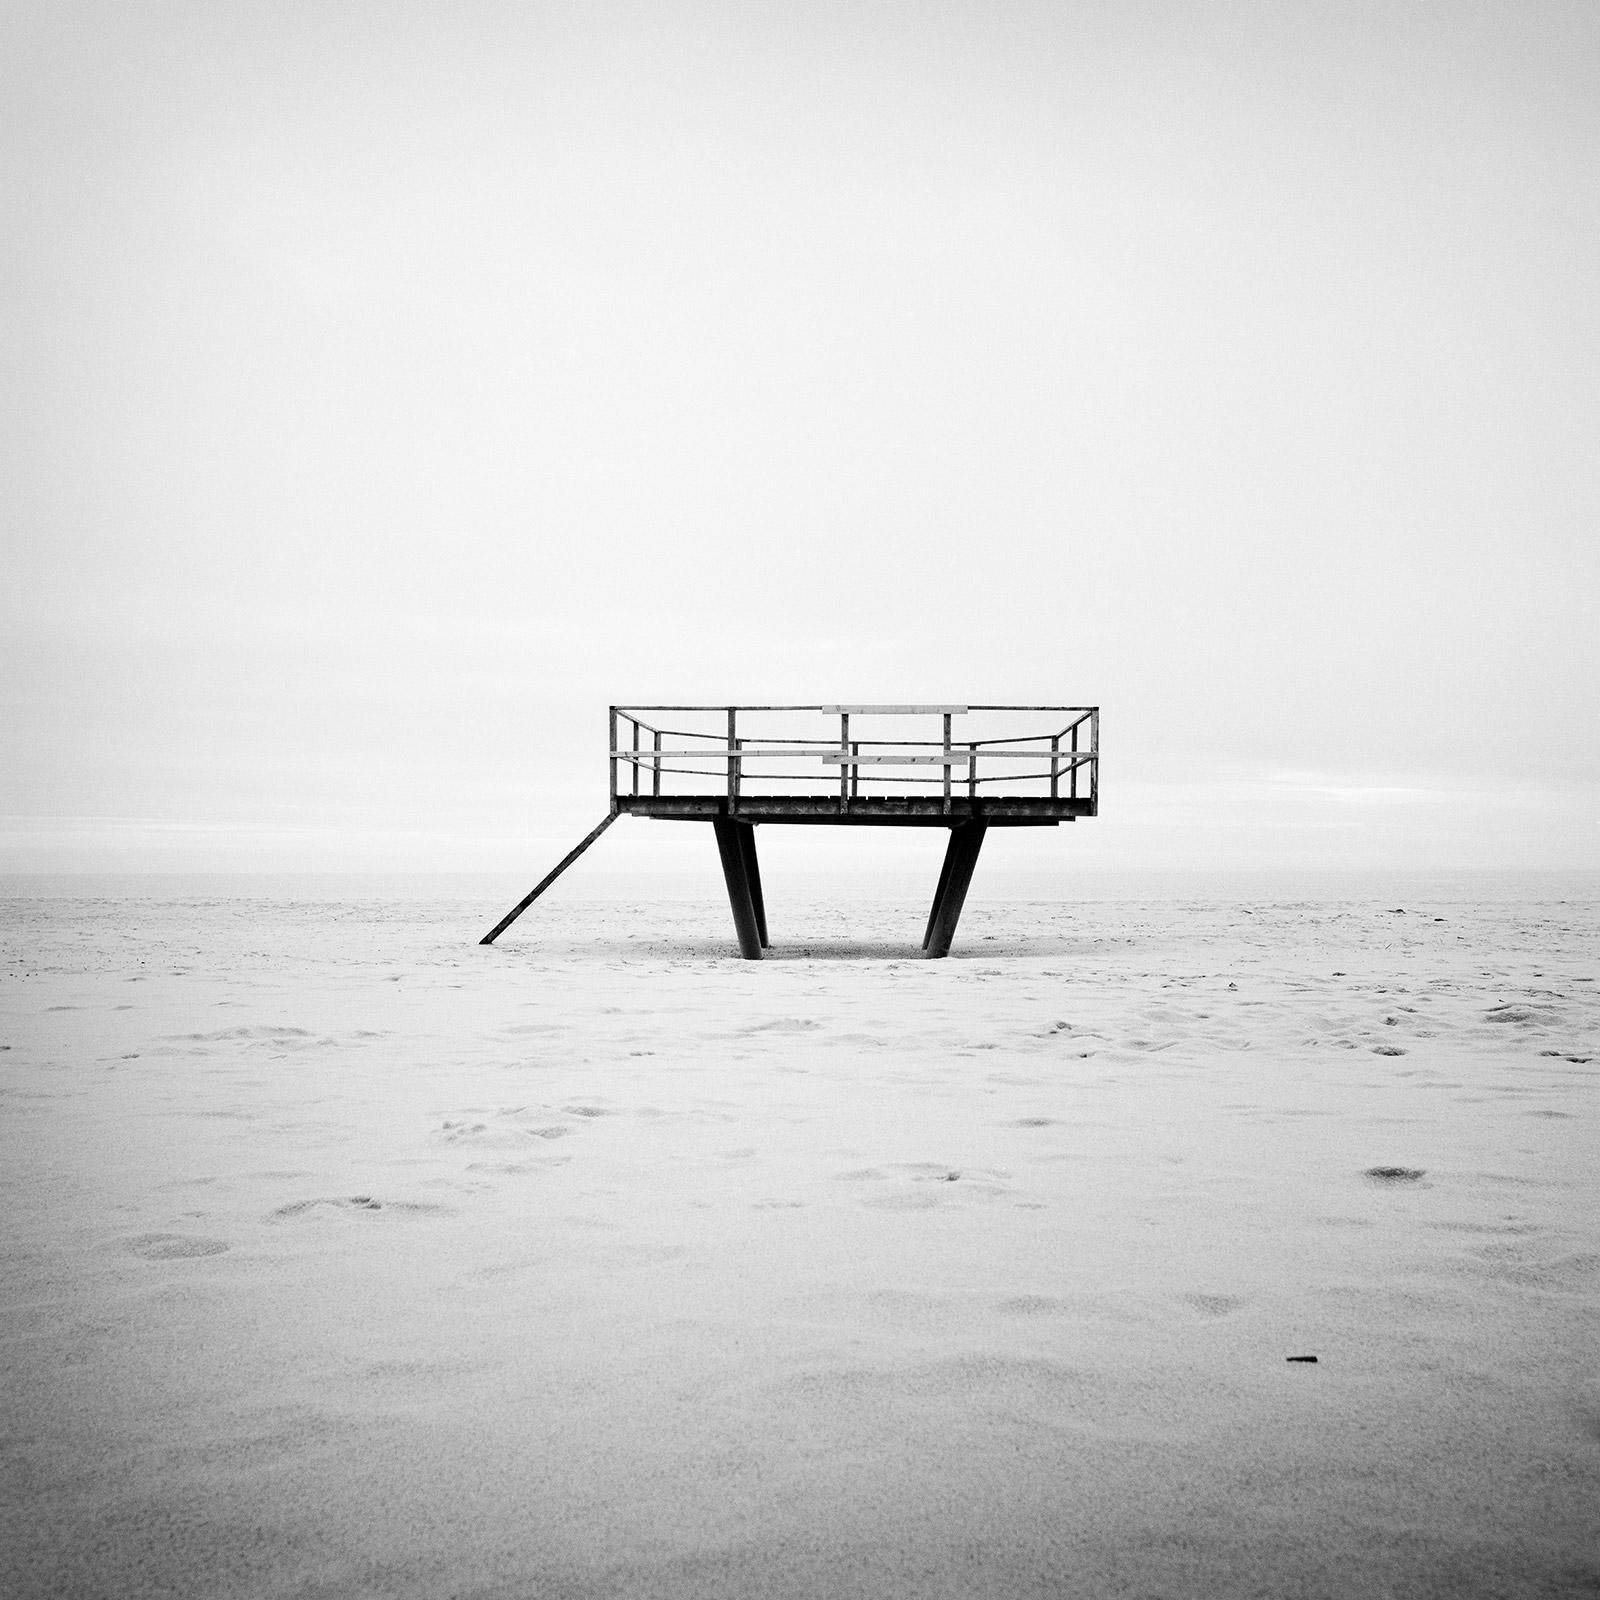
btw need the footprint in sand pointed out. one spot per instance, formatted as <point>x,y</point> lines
<point>920,1185</point>
<point>518,1169</point>
<point>506,1132</point>
<point>174,1246</point>
<point>1394,1174</point>
<point>1522,1015</point>
<point>1387,1050</point>
<point>355,1204</point>
<point>1214,1305</point>
<point>1033,1305</point>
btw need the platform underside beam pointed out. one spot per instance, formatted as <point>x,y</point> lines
<point>884,811</point>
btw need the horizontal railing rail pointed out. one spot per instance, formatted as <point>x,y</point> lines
<point>725,761</point>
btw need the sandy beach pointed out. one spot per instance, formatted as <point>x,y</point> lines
<point>345,1257</point>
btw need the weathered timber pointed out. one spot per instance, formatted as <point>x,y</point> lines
<point>736,855</point>
<point>960,859</point>
<point>938,893</point>
<point>752,871</point>
<point>549,878</point>
<point>879,810</point>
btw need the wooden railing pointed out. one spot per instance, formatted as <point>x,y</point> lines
<point>830,753</point>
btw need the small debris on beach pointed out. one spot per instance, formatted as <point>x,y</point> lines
<point>1394,1174</point>
<point>1312,1360</point>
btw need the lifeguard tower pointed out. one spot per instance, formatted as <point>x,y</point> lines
<point>963,768</point>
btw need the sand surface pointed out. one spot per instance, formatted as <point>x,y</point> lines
<point>344,1257</point>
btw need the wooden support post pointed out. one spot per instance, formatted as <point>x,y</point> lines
<point>961,857</point>
<point>655,787</point>
<point>844,769</point>
<point>947,761</point>
<point>752,867</point>
<point>733,759</point>
<point>972,772</point>
<point>636,758</point>
<point>736,872</point>
<point>612,747</point>
<point>1055,766</point>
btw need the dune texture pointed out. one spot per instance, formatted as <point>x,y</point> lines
<point>345,1257</point>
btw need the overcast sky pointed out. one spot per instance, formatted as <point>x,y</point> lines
<point>390,387</point>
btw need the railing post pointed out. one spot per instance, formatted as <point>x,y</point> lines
<point>855,770</point>
<point>611,753</point>
<point>1055,766</point>
<point>1094,760</point>
<point>972,771</point>
<point>656,786</point>
<point>1073,784</point>
<point>636,756</point>
<point>947,761</point>
<point>844,765</point>
<point>733,760</point>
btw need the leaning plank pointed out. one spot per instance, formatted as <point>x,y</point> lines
<point>545,882</point>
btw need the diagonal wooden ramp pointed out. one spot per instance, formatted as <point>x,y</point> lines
<point>549,878</point>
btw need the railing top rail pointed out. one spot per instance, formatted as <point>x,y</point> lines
<point>857,710</point>
<point>878,750</point>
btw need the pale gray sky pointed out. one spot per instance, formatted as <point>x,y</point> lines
<point>389,387</point>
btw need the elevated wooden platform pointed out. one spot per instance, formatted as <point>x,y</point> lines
<point>738,767</point>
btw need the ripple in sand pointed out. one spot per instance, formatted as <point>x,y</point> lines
<point>174,1246</point>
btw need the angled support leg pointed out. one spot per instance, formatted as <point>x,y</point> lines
<point>731,846</point>
<point>938,894</point>
<point>752,867</point>
<point>961,857</point>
